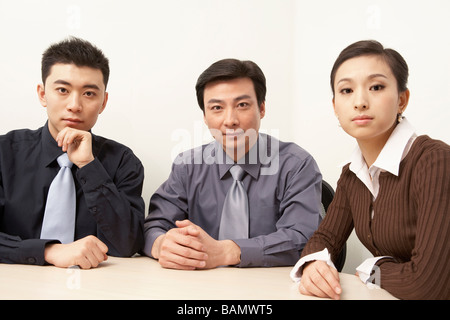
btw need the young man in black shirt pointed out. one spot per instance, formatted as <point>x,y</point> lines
<point>108,177</point>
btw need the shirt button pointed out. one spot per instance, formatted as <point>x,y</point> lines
<point>31,260</point>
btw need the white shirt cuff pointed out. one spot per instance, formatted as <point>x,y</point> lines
<point>365,268</point>
<point>323,255</point>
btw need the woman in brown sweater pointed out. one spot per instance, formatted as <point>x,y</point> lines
<point>395,191</point>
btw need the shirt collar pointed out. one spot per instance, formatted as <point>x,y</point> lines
<point>251,162</point>
<point>395,148</point>
<point>50,149</point>
<point>393,152</point>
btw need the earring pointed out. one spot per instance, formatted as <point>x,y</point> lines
<point>399,118</point>
<point>339,123</point>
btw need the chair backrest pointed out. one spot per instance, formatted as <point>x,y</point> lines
<point>327,198</point>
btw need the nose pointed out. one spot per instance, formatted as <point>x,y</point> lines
<point>231,118</point>
<point>360,102</point>
<point>74,104</point>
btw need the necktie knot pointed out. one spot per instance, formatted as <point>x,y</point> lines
<point>63,161</point>
<point>237,172</point>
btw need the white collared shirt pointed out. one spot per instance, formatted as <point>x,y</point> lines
<point>393,152</point>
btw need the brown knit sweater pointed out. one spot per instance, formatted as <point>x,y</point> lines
<point>411,222</point>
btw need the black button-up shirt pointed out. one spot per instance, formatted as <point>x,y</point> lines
<point>109,201</point>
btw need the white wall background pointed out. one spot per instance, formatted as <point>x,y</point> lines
<point>157,49</point>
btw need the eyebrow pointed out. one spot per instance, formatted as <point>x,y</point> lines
<point>244,96</point>
<point>89,86</point>
<point>376,75</point>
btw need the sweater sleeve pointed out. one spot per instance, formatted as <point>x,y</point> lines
<point>337,225</point>
<point>426,275</point>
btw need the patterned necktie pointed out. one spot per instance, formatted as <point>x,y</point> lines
<point>59,216</point>
<point>235,217</point>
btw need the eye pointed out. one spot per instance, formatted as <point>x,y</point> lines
<point>377,87</point>
<point>62,90</point>
<point>346,91</point>
<point>243,104</point>
<point>89,93</point>
<point>215,108</point>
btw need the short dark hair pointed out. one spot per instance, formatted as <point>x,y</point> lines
<point>74,51</point>
<point>398,65</point>
<point>229,69</point>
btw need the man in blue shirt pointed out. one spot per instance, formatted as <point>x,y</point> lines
<point>282,182</point>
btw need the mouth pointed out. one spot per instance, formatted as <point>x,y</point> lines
<point>362,119</point>
<point>72,121</point>
<point>231,134</point>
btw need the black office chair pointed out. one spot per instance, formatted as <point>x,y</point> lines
<point>327,197</point>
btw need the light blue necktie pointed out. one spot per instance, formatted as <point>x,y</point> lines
<point>235,216</point>
<point>59,215</point>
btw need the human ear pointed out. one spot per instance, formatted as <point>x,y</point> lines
<point>334,107</point>
<point>41,95</point>
<point>262,110</point>
<point>105,100</point>
<point>403,100</point>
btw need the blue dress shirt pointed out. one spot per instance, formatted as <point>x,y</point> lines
<point>283,184</point>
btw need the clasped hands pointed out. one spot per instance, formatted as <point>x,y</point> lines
<point>189,247</point>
